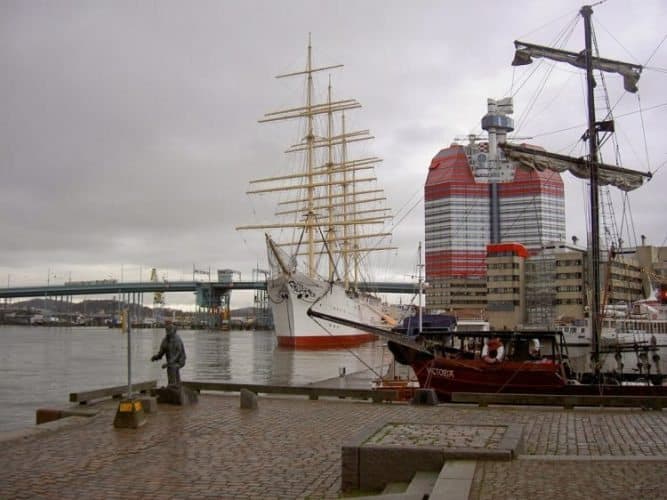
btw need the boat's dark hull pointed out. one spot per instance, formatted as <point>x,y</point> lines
<point>447,374</point>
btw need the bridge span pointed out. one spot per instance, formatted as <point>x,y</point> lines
<point>107,287</point>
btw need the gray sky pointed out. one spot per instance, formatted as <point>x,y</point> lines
<point>129,129</point>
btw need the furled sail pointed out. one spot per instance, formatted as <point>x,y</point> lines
<point>526,51</point>
<point>538,159</point>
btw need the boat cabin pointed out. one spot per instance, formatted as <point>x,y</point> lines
<point>499,346</point>
<point>433,325</point>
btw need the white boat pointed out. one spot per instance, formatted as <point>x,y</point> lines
<point>334,219</point>
<point>634,340</point>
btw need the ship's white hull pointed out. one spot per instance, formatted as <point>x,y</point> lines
<point>292,295</point>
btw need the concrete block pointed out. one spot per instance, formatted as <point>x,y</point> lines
<point>451,489</point>
<point>455,480</point>
<point>458,469</point>
<point>248,400</point>
<point>513,439</point>
<point>395,488</point>
<point>149,403</point>
<point>349,468</point>
<point>424,397</point>
<point>130,414</point>
<point>422,483</point>
<point>381,465</point>
<point>176,395</point>
<point>43,415</point>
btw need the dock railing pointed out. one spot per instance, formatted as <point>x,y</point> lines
<point>313,392</point>
<point>84,397</point>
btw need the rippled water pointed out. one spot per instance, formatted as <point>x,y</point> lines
<point>40,366</point>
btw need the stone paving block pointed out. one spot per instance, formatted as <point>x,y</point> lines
<point>381,465</point>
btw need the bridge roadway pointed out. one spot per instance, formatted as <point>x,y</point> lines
<point>106,287</point>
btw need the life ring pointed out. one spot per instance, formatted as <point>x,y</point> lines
<point>493,351</point>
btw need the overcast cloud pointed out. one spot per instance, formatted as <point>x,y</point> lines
<point>129,129</point>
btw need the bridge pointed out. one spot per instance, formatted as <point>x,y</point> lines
<point>106,287</point>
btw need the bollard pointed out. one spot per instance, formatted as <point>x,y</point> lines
<point>248,400</point>
<point>148,403</point>
<point>130,414</point>
<point>424,397</point>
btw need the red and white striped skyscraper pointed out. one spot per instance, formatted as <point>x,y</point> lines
<point>474,197</point>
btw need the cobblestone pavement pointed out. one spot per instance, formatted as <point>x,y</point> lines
<point>291,448</point>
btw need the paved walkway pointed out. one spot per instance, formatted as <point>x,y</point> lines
<point>291,448</point>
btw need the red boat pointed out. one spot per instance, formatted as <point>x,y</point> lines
<point>518,370</point>
<point>496,362</point>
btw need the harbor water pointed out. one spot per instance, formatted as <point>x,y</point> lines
<point>41,366</point>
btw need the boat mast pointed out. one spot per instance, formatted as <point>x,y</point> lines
<point>310,214</point>
<point>587,12</point>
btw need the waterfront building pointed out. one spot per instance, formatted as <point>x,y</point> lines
<point>555,290</point>
<point>506,289</point>
<point>475,197</point>
<point>548,287</point>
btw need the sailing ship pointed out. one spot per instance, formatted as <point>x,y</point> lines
<point>335,216</point>
<point>534,362</point>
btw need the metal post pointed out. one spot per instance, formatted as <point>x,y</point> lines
<point>129,352</point>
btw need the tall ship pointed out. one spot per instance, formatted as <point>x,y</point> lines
<point>331,216</point>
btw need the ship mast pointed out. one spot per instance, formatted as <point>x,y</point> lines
<point>310,213</point>
<point>346,200</point>
<point>326,194</point>
<point>331,236</point>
